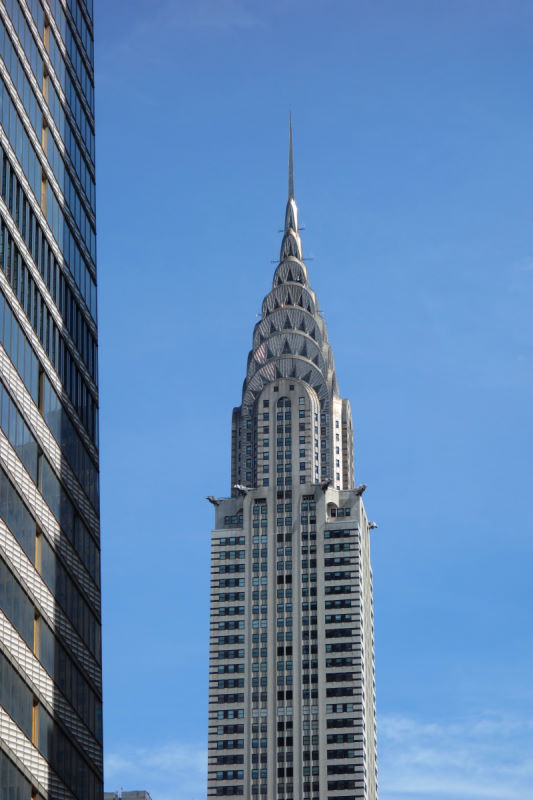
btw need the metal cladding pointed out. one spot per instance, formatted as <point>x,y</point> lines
<point>291,339</point>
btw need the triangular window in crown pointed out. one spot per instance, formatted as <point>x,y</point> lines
<point>303,351</point>
<point>307,377</point>
<point>301,326</point>
<point>286,348</point>
<point>289,275</point>
<point>287,325</point>
<point>289,299</point>
<point>272,328</point>
<point>269,353</point>
<point>276,303</point>
<point>315,360</point>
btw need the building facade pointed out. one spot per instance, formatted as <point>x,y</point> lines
<point>136,795</point>
<point>50,653</point>
<point>291,678</point>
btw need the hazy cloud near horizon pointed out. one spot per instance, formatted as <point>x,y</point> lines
<point>466,759</point>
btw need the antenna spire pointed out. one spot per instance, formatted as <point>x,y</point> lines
<point>291,173</point>
<point>291,244</point>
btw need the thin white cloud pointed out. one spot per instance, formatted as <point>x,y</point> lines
<point>163,22</point>
<point>483,758</point>
<point>228,15</point>
<point>223,15</point>
<point>173,771</point>
<point>487,758</point>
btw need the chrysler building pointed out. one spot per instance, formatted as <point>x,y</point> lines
<point>292,712</point>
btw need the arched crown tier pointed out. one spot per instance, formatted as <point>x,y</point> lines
<point>289,295</point>
<point>285,368</point>
<point>291,270</point>
<point>287,344</point>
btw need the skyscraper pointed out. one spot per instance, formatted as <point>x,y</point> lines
<point>291,678</point>
<point>50,654</point>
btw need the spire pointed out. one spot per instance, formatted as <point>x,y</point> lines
<point>291,174</point>
<point>291,244</point>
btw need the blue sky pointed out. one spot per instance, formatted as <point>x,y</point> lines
<point>413,174</point>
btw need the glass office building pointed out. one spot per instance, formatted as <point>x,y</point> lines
<point>291,678</point>
<point>50,652</point>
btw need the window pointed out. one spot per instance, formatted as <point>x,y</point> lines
<point>301,401</point>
